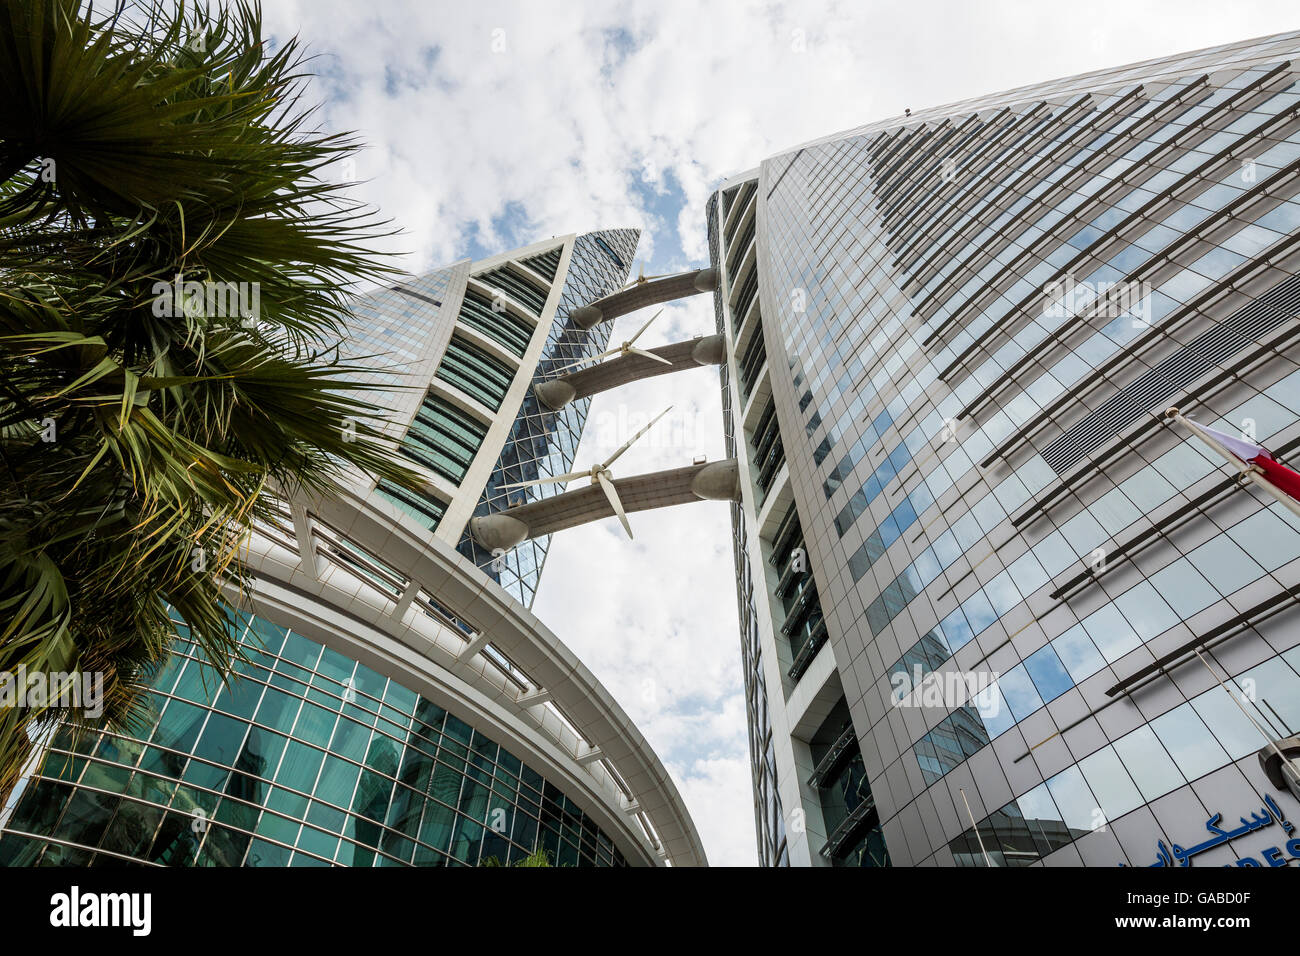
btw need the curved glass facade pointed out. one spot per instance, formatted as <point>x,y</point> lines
<point>979,317</point>
<point>307,758</point>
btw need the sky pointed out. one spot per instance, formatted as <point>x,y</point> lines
<point>491,125</point>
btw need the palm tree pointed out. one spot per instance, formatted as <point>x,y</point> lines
<point>148,157</point>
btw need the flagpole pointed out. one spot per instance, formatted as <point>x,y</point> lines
<point>1251,471</point>
<point>1270,743</point>
<point>979,839</point>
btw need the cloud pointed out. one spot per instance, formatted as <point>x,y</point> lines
<point>491,125</point>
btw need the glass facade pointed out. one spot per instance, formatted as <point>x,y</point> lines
<point>769,822</point>
<point>502,326</point>
<point>307,758</point>
<point>543,442</point>
<point>972,324</point>
<point>443,437</point>
<point>389,330</point>
<point>479,375</point>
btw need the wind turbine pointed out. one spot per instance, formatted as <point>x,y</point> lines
<point>642,278</point>
<point>624,349</point>
<point>599,474</point>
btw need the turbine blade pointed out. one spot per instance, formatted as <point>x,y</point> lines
<point>650,355</point>
<point>628,444</point>
<point>544,481</point>
<point>607,486</point>
<point>590,358</point>
<point>644,327</point>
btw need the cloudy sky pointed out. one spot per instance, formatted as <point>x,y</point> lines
<point>492,125</point>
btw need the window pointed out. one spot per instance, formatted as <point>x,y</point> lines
<point>1019,692</point>
<point>1111,633</point>
<point>475,372</point>
<point>1226,566</point>
<point>1148,763</point>
<point>1186,737</point>
<point>1048,673</point>
<point>1183,588</point>
<point>1078,654</point>
<point>1145,612</point>
<point>1107,778</point>
<point>1269,538</point>
<point>501,325</point>
<point>443,438</point>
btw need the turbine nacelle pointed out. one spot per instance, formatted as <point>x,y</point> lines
<point>627,348</point>
<point>599,475</point>
<point>642,278</point>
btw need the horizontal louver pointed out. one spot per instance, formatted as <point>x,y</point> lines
<point>1152,390</point>
<point>475,372</point>
<point>443,438</point>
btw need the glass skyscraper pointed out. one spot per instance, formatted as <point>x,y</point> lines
<point>543,441</point>
<point>996,607</point>
<point>396,706</point>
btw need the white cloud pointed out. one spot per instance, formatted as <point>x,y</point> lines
<point>586,115</point>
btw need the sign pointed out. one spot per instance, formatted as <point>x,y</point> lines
<point>1175,855</point>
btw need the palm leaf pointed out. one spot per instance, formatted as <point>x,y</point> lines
<point>169,157</point>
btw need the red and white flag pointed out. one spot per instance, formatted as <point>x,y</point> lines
<point>1275,473</point>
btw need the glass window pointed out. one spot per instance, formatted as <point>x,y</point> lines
<point>1083,532</point>
<point>1114,511</point>
<point>1227,723</point>
<point>221,739</point>
<point>1183,588</point>
<point>993,710</point>
<point>1147,489</point>
<point>1112,634</point>
<point>1270,540</point>
<point>1078,653</point>
<point>1148,763</point>
<point>1145,611</point>
<point>1275,689</point>
<point>1226,566</point>
<point>978,612</point>
<point>1002,594</point>
<point>1027,573</point>
<point>1111,783</point>
<point>1183,465</point>
<point>1260,416</point>
<point>300,765</point>
<point>1043,819</point>
<point>1054,553</point>
<point>1078,806</point>
<point>1019,692</point>
<point>955,630</point>
<point>1186,737</point>
<point>1048,673</point>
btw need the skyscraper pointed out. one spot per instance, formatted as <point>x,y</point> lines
<point>998,608</point>
<point>396,707</point>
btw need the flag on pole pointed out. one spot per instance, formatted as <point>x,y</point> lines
<point>1274,476</point>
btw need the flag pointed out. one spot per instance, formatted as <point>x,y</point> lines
<point>1274,472</point>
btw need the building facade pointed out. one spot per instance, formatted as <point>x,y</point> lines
<point>399,704</point>
<point>996,607</point>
